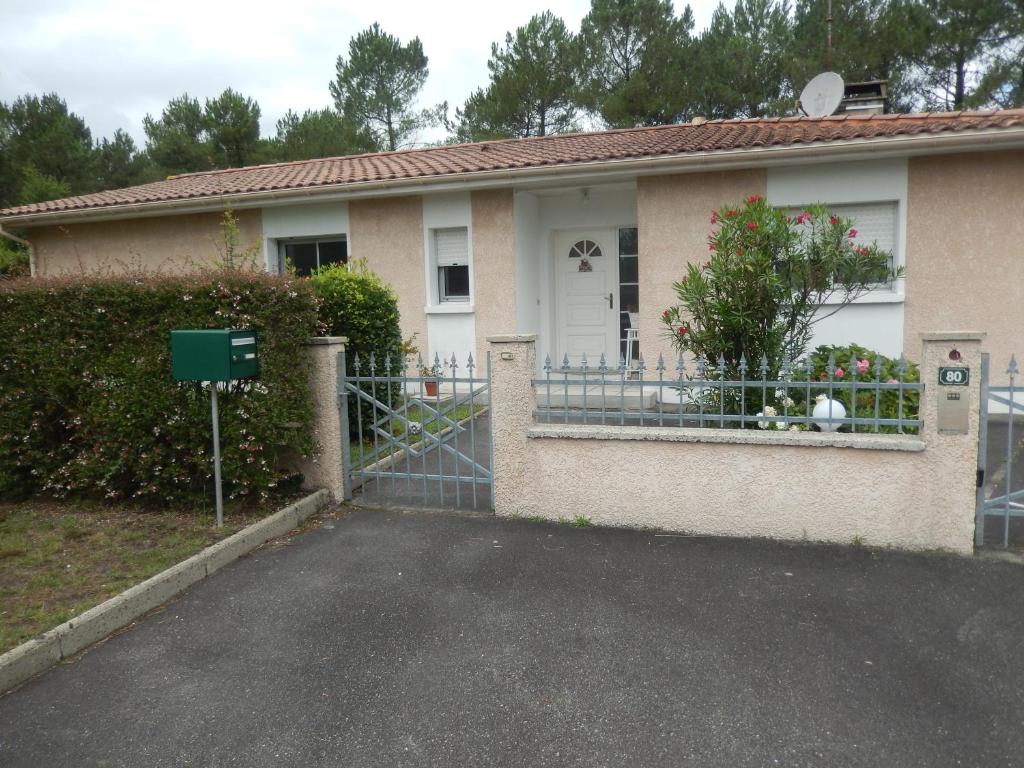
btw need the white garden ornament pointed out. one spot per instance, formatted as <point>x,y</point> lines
<point>825,411</point>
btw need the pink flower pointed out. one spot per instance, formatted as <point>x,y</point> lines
<point>752,225</point>
<point>833,220</point>
<point>804,217</point>
<point>862,366</point>
<point>892,381</point>
<point>731,213</point>
<point>840,373</point>
<point>753,199</point>
<point>853,234</point>
<point>682,330</point>
<point>665,315</point>
<point>714,217</point>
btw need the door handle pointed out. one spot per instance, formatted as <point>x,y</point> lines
<point>611,304</point>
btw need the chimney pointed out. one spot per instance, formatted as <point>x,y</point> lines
<point>868,98</point>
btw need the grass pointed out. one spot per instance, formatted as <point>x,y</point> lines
<point>363,454</point>
<point>59,559</point>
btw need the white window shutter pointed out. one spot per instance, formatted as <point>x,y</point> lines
<point>874,222</point>
<point>451,247</point>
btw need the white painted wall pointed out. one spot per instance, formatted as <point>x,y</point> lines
<point>305,220</point>
<point>451,328</point>
<point>875,320</point>
<point>526,214</point>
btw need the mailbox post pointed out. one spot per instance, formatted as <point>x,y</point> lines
<point>214,356</point>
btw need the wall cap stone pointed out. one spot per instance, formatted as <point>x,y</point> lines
<point>512,338</point>
<point>954,336</point>
<point>325,340</point>
<point>867,442</point>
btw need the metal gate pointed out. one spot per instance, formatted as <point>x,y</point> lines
<point>999,516</point>
<point>421,440</point>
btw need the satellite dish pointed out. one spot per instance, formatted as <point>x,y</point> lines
<point>822,96</point>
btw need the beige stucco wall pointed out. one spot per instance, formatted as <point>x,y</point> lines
<point>325,469</point>
<point>965,249</point>
<point>166,244</point>
<point>673,217</point>
<point>776,485</point>
<point>388,233</point>
<point>494,263</point>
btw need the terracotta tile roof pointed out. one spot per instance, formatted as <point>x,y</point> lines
<point>522,154</point>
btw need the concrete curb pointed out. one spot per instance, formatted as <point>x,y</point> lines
<point>61,642</point>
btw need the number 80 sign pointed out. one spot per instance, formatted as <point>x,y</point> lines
<point>955,376</point>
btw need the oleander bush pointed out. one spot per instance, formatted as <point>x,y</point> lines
<point>88,406</point>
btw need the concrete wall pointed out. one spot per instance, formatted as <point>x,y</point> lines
<point>166,243</point>
<point>388,233</point>
<point>965,249</point>
<point>674,220</point>
<point>325,469</point>
<point>494,263</point>
<point>886,490</point>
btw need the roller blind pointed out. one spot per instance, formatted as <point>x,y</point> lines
<point>451,247</point>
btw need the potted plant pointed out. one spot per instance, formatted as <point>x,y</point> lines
<point>431,377</point>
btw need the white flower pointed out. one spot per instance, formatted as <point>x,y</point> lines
<point>788,402</point>
<point>795,428</point>
<point>768,411</point>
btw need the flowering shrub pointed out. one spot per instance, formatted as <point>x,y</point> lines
<point>357,304</point>
<point>88,405</point>
<point>854,363</point>
<point>767,281</point>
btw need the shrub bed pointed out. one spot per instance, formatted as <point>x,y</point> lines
<point>357,304</point>
<point>88,406</point>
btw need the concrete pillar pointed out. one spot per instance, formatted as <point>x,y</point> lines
<point>325,468</point>
<point>950,488</point>
<point>513,364</point>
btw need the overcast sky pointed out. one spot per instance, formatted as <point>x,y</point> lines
<point>114,61</point>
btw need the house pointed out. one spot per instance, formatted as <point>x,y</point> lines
<point>579,237</point>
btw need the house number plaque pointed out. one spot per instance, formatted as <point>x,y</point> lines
<point>954,403</point>
<point>954,376</point>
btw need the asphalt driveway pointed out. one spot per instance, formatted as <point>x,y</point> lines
<point>399,639</point>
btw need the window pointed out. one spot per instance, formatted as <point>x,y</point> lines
<point>451,254</point>
<point>874,222</point>
<point>305,256</point>
<point>629,294</point>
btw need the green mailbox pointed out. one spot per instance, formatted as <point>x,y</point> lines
<point>218,355</point>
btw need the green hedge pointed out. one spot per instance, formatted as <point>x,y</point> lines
<point>357,304</point>
<point>88,406</point>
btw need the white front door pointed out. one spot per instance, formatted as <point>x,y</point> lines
<point>586,300</point>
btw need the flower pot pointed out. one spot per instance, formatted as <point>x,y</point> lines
<point>430,388</point>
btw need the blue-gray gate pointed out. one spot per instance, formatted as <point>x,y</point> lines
<point>420,440</point>
<point>999,515</point>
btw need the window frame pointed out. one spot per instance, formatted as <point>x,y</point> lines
<point>439,296</point>
<point>886,292</point>
<point>283,242</point>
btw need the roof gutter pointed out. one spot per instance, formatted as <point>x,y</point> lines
<point>28,247</point>
<point>589,172</point>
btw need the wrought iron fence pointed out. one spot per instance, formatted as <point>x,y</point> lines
<point>1000,488</point>
<point>795,396</point>
<point>416,433</point>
